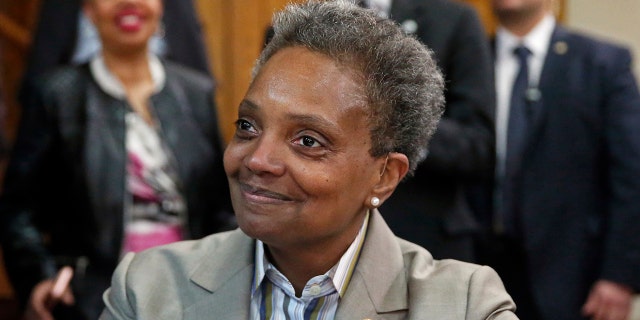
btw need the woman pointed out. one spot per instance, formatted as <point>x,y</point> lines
<point>114,156</point>
<point>339,111</point>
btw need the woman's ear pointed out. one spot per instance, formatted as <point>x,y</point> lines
<point>395,168</point>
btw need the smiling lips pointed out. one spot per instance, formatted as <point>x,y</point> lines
<point>129,20</point>
<point>259,195</point>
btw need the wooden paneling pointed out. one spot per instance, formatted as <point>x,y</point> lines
<point>16,22</point>
<point>483,7</point>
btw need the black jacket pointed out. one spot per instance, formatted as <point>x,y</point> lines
<point>431,208</point>
<point>67,174</point>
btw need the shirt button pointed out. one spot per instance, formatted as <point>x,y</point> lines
<point>314,290</point>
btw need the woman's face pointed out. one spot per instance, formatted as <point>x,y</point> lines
<point>124,25</point>
<point>299,166</point>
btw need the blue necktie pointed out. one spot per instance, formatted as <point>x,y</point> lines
<point>516,135</point>
<point>518,120</point>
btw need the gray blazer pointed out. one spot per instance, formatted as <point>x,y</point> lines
<point>394,279</point>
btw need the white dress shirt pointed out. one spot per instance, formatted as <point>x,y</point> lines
<point>506,70</point>
<point>273,295</point>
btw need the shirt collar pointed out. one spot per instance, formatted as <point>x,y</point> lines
<point>108,82</point>
<point>537,40</point>
<point>340,273</point>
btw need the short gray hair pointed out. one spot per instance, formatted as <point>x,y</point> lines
<point>403,85</point>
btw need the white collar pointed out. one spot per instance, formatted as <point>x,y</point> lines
<point>108,82</point>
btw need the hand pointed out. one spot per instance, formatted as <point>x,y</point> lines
<point>43,299</point>
<point>608,301</point>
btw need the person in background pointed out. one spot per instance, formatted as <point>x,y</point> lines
<point>431,209</point>
<point>65,35</point>
<point>340,109</point>
<point>563,229</point>
<point>113,156</point>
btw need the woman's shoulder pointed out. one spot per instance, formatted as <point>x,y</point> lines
<point>61,81</point>
<point>422,267</point>
<point>64,75</point>
<point>419,258</point>
<point>65,85</point>
<point>454,283</point>
<point>183,256</point>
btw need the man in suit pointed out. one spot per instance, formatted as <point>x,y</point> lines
<point>431,208</point>
<point>322,140</point>
<point>567,192</point>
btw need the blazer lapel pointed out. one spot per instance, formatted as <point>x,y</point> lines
<point>551,84</point>
<point>378,285</point>
<point>105,158</point>
<point>227,274</point>
<point>179,130</point>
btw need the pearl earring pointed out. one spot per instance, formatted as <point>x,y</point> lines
<point>375,201</point>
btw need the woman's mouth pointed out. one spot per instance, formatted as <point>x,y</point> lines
<point>260,195</point>
<point>129,20</point>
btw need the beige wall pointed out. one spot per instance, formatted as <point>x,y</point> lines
<point>616,20</point>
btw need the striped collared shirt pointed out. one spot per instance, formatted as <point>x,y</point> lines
<point>273,296</point>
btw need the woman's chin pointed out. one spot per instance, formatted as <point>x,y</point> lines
<point>258,227</point>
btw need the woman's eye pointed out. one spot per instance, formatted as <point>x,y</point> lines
<point>244,125</point>
<point>245,129</point>
<point>307,142</point>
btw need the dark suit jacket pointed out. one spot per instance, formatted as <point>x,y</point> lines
<point>66,177</point>
<point>431,209</point>
<point>578,183</point>
<point>54,39</point>
<point>393,279</point>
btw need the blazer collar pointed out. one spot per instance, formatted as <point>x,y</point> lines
<point>379,284</point>
<point>553,76</point>
<point>226,273</point>
<point>557,56</point>
<point>112,85</point>
<point>552,84</point>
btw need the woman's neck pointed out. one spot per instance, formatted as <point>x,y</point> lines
<point>134,74</point>
<point>300,263</point>
<point>130,69</point>
<point>300,266</point>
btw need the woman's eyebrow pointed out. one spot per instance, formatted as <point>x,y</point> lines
<point>307,119</point>
<point>245,103</point>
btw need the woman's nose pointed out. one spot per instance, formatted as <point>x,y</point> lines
<point>266,157</point>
